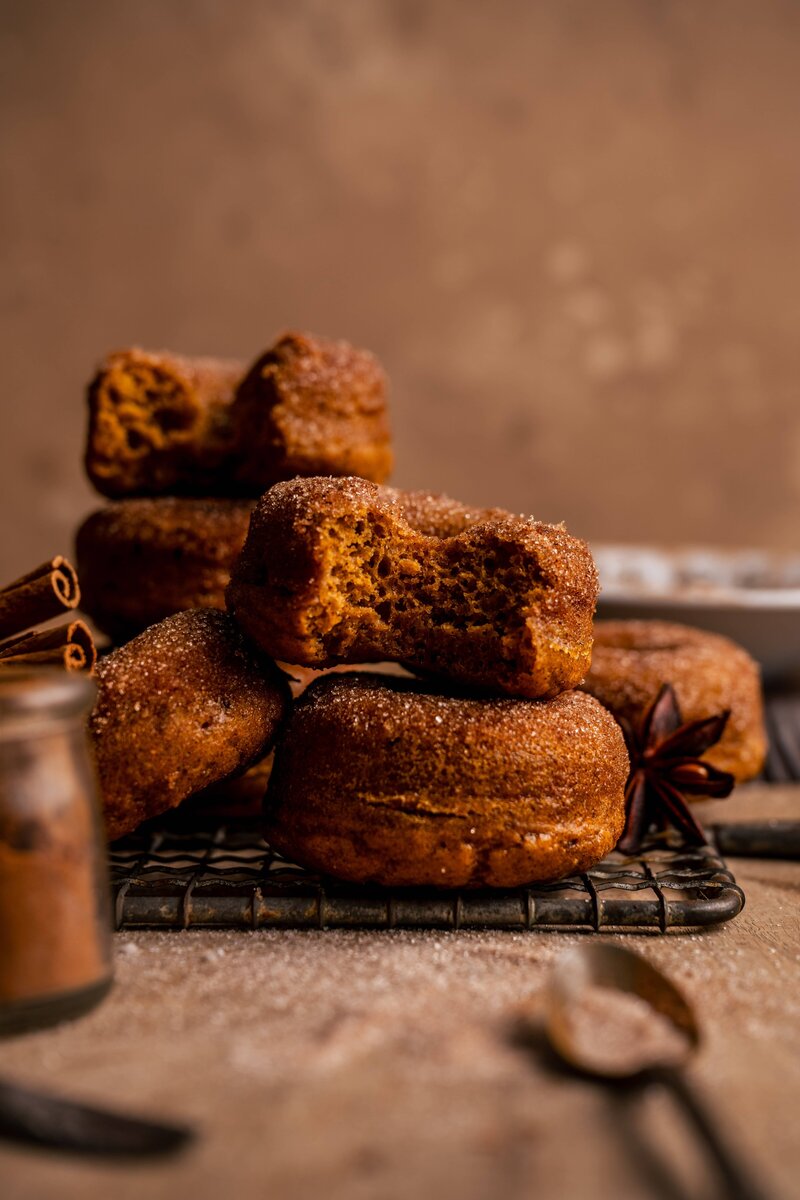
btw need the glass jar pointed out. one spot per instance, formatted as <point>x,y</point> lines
<point>55,928</point>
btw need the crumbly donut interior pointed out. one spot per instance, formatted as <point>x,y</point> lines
<point>147,409</point>
<point>381,581</point>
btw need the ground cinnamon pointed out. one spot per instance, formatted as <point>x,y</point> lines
<point>54,923</point>
<point>47,900</point>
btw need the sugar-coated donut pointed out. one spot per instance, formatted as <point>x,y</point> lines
<point>710,673</point>
<point>332,571</point>
<point>142,560</point>
<point>312,406</point>
<point>380,780</point>
<point>242,796</point>
<point>185,704</point>
<point>160,423</point>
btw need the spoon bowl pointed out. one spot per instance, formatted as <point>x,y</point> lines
<point>612,1014</point>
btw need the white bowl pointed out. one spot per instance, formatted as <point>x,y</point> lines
<point>751,596</point>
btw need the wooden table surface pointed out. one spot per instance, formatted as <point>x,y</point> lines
<point>382,1065</point>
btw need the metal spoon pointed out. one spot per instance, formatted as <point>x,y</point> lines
<point>612,1015</point>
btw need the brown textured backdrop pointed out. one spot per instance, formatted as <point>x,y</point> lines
<point>570,229</point>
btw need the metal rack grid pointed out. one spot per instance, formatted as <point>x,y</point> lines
<point>227,877</point>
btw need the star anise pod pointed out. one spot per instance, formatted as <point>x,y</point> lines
<point>665,767</point>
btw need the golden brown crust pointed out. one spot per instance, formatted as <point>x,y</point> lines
<point>311,406</point>
<point>383,781</point>
<point>160,423</point>
<point>184,705</point>
<point>710,673</point>
<point>332,571</point>
<point>142,560</point>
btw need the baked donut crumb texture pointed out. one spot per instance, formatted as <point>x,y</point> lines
<point>332,571</point>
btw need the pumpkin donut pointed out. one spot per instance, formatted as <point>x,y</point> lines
<point>311,406</point>
<point>632,659</point>
<point>334,571</point>
<point>184,705</point>
<point>381,780</point>
<point>161,424</point>
<point>142,560</point>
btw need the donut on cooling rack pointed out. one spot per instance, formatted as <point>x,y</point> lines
<point>184,705</point>
<point>381,780</point>
<point>142,560</point>
<point>334,571</point>
<point>710,673</point>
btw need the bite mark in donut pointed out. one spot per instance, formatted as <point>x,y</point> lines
<point>159,423</point>
<point>333,572</point>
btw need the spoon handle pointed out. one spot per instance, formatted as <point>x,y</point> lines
<point>738,1183</point>
<point>39,1118</point>
<point>758,839</point>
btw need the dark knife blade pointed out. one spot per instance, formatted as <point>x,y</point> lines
<point>37,1118</point>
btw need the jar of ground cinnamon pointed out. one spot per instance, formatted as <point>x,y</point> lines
<point>55,932</point>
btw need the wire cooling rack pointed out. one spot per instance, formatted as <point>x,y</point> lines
<point>227,877</point>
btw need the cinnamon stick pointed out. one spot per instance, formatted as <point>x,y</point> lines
<point>70,646</point>
<point>36,597</point>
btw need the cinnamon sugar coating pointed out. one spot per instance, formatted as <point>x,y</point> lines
<point>160,423</point>
<point>312,406</point>
<point>710,673</point>
<point>380,780</point>
<point>332,571</point>
<point>142,560</point>
<point>438,515</point>
<point>186,704</point>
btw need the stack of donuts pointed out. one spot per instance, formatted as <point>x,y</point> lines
<point>250,537</point>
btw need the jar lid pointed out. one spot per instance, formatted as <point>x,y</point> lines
<point>42,694</point>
